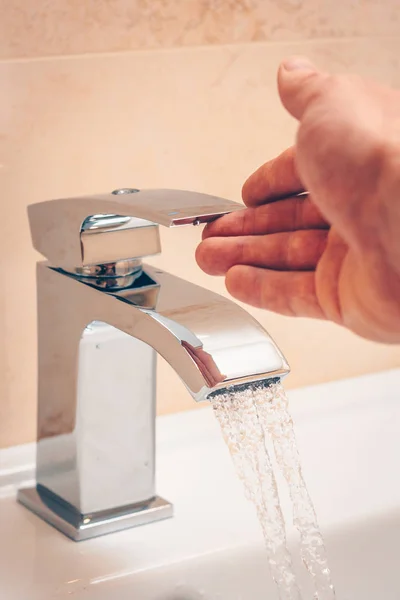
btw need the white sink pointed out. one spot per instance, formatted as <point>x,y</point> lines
<point>349,439</point>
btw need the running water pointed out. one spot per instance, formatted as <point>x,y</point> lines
<point>247,415</point>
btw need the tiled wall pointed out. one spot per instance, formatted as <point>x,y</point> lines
<point>61,27</point>
<point>99,94</point>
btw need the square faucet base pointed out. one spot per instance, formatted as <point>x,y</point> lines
<point>83,527</point>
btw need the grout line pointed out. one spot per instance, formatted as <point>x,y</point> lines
<point>201,47</point>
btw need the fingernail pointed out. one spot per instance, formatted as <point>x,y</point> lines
<point>298,63</point>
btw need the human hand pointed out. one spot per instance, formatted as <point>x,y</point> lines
<point>334,254</point>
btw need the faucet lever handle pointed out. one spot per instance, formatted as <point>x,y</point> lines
<point>178,207</point>
<point>129,228</point>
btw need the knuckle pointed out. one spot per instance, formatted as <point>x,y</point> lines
<point>304,248</point>
<point>249,221</point>
<point>298,213</point>
<point>295,248</point>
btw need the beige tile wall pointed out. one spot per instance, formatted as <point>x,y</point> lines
<point>59,27</point>
<point>198,118</point>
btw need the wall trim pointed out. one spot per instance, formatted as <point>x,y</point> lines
<point>17,468</point>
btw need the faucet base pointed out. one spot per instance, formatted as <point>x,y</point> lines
<point>83,527</point>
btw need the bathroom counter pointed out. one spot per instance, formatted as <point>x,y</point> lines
<point>349,439</point>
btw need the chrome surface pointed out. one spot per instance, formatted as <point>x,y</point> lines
<point>97,350</point>
<point>113,239</point>
<point>121,268</point>
<point>125,191</point>
<point>83,527</point>
<point>111,276</point>
<point>112,283</point>
<point>55,224</point>
<point>96,413</point>
<point>103,221</point>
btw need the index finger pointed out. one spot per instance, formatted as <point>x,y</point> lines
<point>275,179</point>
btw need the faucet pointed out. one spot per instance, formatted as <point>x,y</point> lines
<point>103,316</point>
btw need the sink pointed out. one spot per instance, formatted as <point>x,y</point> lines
<point>349,438</point>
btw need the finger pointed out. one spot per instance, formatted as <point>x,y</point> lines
<point>287,293</point>
<point>298,212</point>
<point>275,179</point>
<point>328,274</point>
<point>296,251</point>
<point>299,84</point>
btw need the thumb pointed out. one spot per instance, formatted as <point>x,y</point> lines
<point>299,84</point>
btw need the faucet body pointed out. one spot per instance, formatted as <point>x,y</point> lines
<point>100,326</point>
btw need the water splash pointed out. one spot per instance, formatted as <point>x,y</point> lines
<point>241,429</point>
<point>273,412</point>
<point>247,415</point>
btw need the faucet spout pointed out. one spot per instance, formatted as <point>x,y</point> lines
<point>208,340</point>
<point>216,342</point>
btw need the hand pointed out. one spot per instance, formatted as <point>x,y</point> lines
<point>334,254</point>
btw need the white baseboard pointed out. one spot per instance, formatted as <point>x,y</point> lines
<point>17,468</point>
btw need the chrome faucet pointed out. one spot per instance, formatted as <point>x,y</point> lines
<point>102,316</point>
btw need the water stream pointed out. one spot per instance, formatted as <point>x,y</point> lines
<point>249,417</point>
